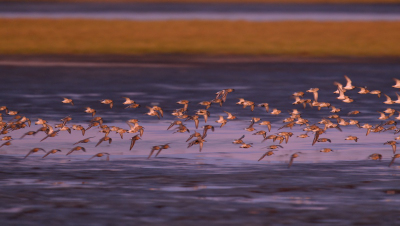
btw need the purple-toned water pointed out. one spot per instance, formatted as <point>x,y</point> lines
<point>223,184</point>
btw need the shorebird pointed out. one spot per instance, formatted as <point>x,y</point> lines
<point>305,135</point>
<point>174,123</point>
<point>274,146</point>
<point>230,116</point>
<point>77,148</point>
<point>363,90</point>
<point>152,112</point>
<point>34,150</point>
<point>355,112</point>
<point>53,151</point>
<point>352,138</point>
<point>101,155</point>
<point>275,111</point>
<point>6,138</point>
<point>268,153</point>
<point>206,128</point>
<point>239,141</point>
<point>315,92</point>
<point>223,94</point>
<point>292,157</point>
<point>86,140</point>
<point>134,105</point>
<point>298,94</point>
<point>182,129</point>
<point>133,140</point>
<point>261,132</point>
<point>8,143</point>
<point>198,141</point>
<point>394,157</point>
<point>324,140</point>
<point>348,86</point>
<point>128,101</point>
<point>185,104</point>
<point>397,85</point>
<point>155,148</point>
<point>28,134</point>
<point>52,134</point>
<point>218,101</point>
<point>376,92</point>
<point>67,101</point>
<point>265,105</point>
<point>222,121</point>
<point>165,146</point>
<point>105,138</point>
<point>393,144</point>
<point>246,145</point>
<point>79,127</point>
<point>388,100</point>
<point>250,128</point>
<point>326,150</point>
<point>375,156</point>
<point>206,103</point>
<point>195,134</point>
<point>204,113</point>
<point>107,101</point>
<point>40,122</point>
<point>266,123</point>
<point>90,111</point>
<point>383,116</point>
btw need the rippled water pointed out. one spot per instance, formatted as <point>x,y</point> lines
<point>223,184</point>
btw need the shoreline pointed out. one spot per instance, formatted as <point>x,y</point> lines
<point>161,60</point>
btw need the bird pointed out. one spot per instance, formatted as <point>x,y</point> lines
<point>268,153</point>
<point>352,138</point>
<point>128,101</point>
<point>77,148</point>
<point>34,150</point>
<point>239,141</point>
<point>267,123</point>
<point>266,106</point>
<point>326,150</point>
<point>393,144</point>
<point>292,157</point>
<point>28,134</point>
<point>375,156</point>
<point>397,85</point>
<point>246,145</point>
<point>53,151</point>
<point>67,101</point>
<point>105,138</point>
<point>230,116</point>
<point>204,113</point>
<point>101,155</point>
<point>107,101</point>
<point>206,103</point>
<point>133,140</point>
<point>348,86</point>
<point>222,121</point>
<point>205,129</point>
<point>393,158</point>
<point>86,140</point>
<point>200,141</point>
<point>90,111</point>
<point>153,149</point>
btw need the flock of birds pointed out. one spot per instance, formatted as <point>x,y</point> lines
<point>333,121</point>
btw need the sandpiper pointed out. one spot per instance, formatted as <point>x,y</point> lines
<point>393,144</point>
<point>77,148</point>
<point>67,101</point>
<point>53,151</point>
<point>394,157</point>
<point>105,138</point>
<point>133,140</point>
<point>34,150</point>
<point>101,155</point>
<point>107,101</point>
<point>268,153</point>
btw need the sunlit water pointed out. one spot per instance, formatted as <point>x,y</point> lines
<point>222,184</point>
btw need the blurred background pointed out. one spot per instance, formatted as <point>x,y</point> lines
<point>361,28</point>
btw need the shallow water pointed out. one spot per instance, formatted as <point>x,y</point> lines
<point>223,184</point>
